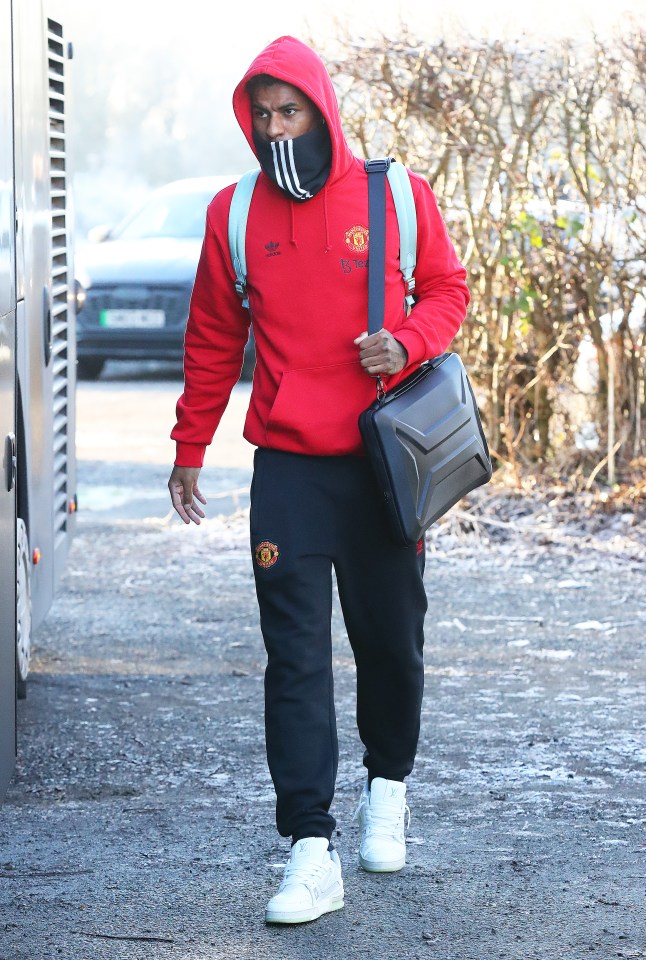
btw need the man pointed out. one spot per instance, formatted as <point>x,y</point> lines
<point>314,503</point>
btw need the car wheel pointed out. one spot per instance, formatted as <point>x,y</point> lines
<point>89,368</point>
<point>23,609</point>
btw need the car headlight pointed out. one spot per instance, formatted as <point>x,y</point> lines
<point>80,295</point>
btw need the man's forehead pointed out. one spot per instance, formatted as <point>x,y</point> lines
<point>278,91</point>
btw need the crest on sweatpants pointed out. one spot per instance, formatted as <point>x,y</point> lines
<point>267,554</point>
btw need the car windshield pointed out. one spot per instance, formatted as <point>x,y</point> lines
<point>180,215</point>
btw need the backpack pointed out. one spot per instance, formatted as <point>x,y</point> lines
<point>406,218</point>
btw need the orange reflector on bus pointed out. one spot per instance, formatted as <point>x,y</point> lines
<point>36,556</point>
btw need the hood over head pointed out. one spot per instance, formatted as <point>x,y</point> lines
<point>292,61</point>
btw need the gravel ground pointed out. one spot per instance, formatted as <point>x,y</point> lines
<point>140,820</point>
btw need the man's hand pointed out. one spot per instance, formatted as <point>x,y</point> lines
<point>381,353</point>
<point>184,491</point>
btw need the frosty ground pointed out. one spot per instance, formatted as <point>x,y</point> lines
<point>140,820</point>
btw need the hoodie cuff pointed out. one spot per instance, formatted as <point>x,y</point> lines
<point>189,454</point>
<point>414,346</point>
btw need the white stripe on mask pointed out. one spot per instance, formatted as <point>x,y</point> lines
<point>290,151</point>
<point>277,171</point>
<point>287,175</point>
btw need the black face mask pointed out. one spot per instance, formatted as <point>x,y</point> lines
<point>301,166</point>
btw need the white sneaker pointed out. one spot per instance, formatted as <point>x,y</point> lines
<point>381,813</point>
<point>311,884</point>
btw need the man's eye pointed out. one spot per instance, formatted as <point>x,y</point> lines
<point>290,111</point>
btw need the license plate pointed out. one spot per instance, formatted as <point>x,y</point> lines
<point>133,319</point>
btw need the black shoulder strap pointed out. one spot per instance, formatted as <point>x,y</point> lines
<point>376,170</point>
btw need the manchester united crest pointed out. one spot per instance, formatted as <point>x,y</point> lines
<point>267,554</point>
<point>356,238</point>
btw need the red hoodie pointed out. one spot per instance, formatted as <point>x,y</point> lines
<point>308,292</point>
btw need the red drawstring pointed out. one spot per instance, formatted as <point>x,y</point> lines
<point>292,205</point>
<point>328,245</point>
<point>292,239</point>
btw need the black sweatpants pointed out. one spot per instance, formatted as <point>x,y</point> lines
<point>307,515</point>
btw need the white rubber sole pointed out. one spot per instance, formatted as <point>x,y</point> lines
<point>304,916</point>
<point>382,866</point>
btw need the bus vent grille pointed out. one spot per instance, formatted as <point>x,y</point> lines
<point>62,328</point>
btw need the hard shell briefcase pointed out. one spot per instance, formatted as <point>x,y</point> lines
<point>426,444</point>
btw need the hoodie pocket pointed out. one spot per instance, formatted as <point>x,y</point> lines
<point>316,410</point>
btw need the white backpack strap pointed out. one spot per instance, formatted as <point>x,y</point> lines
<point>402,192</point>
<point>238,216</point>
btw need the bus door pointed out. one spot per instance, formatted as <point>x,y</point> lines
<point>7,410</point>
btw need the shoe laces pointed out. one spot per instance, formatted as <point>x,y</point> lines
<point>382,819</point>
<point>308,874</point>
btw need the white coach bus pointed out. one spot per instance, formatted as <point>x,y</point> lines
<point>37,342</point>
